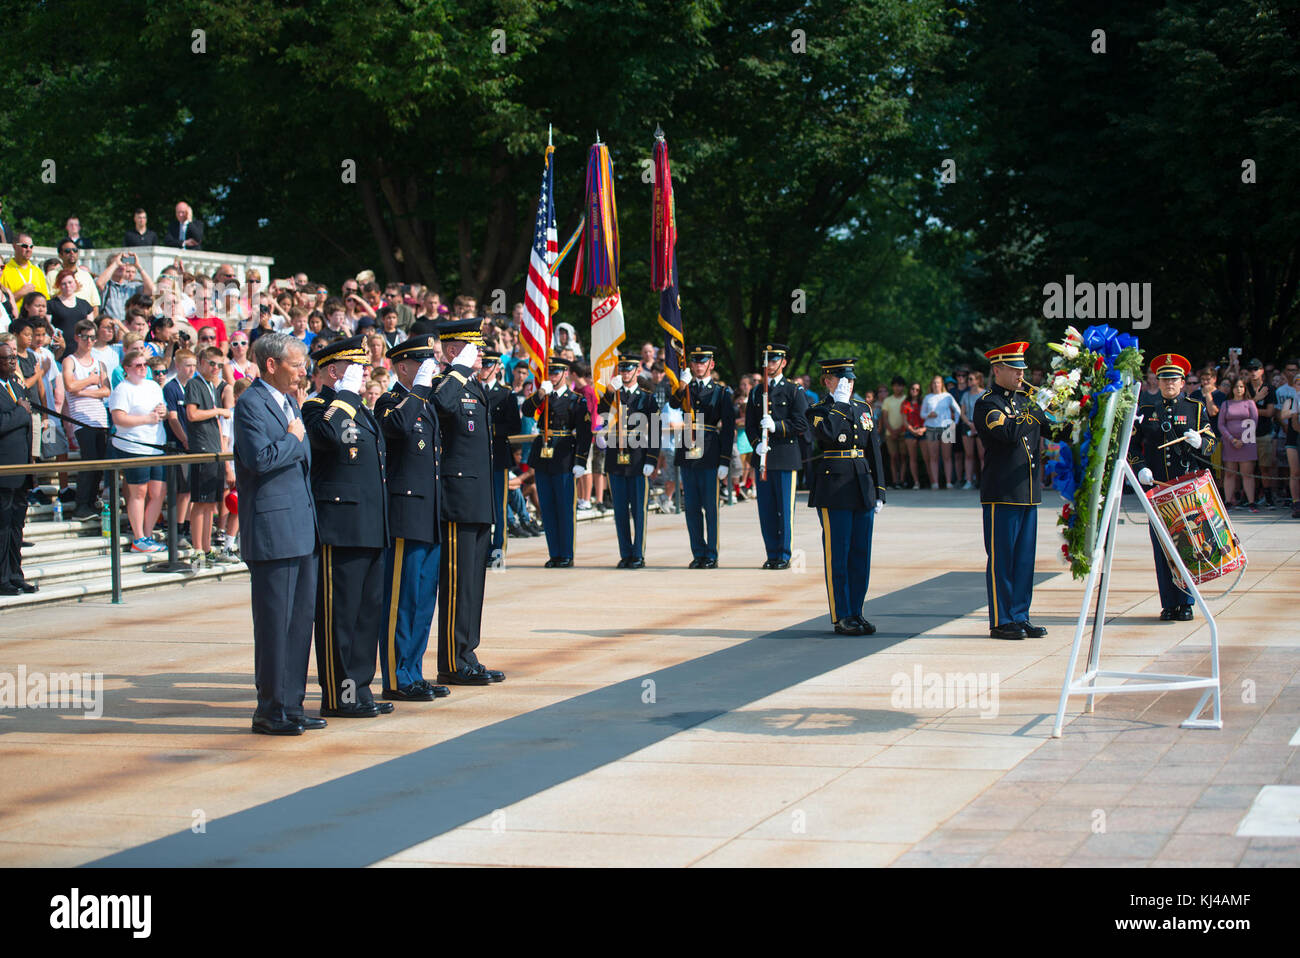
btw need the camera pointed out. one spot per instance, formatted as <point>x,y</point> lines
<point>128,259</point>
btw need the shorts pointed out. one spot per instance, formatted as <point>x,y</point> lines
<point>669,472</point>
<point>206,481</point>
<point>934,433</point>
<point>182,480</point>
<point>142,474</point>
<point>894,444</point>
<point>596,461</point>
<point>1266,452</point>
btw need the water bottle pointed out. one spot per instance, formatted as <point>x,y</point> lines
<point>58,508</point>
<point>105,522</point>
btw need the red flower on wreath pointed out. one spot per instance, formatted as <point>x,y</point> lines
<point>1101,361</point>
<point>1065,512</point>
<point>1065,551</point>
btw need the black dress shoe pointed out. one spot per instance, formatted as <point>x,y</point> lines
<point>355,710</point>
<point>780,564</point>
<point>622,564</point>
<point>551,563</point>
<point>463,678</point>
<point>848,626</point>
<point>492,674</point>
<point>306,721</point>
<point>695,564</point>
<point>708,563</point>
<point>635,564</point>
<point>24,585</point>
<point>1167,615</point>
<point>769,564</point>
<point>415,692</point>
<point>383,708</point>
<point>1009,631</point>
<point>266,726</point>
<point>439,691</point>
<point>867,627</point>
<point>7,589</point>
<point>1183,613</point>
<point>564,563</point>
<point>1031,630</point>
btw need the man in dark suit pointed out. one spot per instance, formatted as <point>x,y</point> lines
<point>410,428</point>
<point>347,481</point>
<point>15,448</point>
<point>631,445</point>
<point>184,231</point>
<point>848,491</point>
<point>777,434</point>
<point>465,506</point>
<point>503,411</point>
<point>277,526</point>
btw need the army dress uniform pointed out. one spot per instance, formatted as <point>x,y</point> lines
<point>847,490</point>
<point>347,482</point>
<point>553,463</point>
<point>465,508</point>
<point>787,405</point>
<point>709,433</point>
<point>632,452</point>
<point>1160,420</point>
<point>410,429</point>
<point>1010,491</point>
<point>503,411</point>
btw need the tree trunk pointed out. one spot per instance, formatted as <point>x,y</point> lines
<point>377,227</point>
<point>413,249</point>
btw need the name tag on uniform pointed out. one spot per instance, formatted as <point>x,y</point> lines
<point>547,452</point>
<point>624,459</point>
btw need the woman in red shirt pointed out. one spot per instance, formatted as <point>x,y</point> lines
<point>913,430</point>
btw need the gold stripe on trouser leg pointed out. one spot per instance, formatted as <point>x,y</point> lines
<point>789,518</point>
<point>645,513</point>
<point>573,545</point>
<point>826,556</point>
<point>331,690</point>
<point>399,546</point>
<point>505,495</point>
<point>993,560</point>
<point>451,601</point>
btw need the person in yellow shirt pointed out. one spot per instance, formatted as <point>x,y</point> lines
<point>21,276</point>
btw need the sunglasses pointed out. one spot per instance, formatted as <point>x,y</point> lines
<point>22,245</point>
<point>65,252</point>
<point>137,366</point>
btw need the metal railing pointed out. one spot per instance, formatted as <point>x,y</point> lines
<point>114,468</point>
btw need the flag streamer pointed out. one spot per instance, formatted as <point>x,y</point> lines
<point>663,262</point>
<point>595,273</point>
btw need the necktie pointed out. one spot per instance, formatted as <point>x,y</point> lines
<point>11,391</point>
<point>288,409</point>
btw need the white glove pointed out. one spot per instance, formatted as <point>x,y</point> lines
<point>685,376</point>
<point>547,388</point>
<point>1145,477</point>
<point>1192,438</point>
<point>352,378</point>
<point>768,424</point>
<point>579,472</point>
<point>648,470</point>
<point>722,472</point>
<point>424,375</point>
<point>466,357</point>
<point>879,505</point>
<point>761,448</point>
<point>843,390</point>
<point>601,441</point>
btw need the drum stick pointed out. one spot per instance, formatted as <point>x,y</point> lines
<point>1204,429</point>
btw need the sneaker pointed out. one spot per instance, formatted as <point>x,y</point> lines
<point>968,485</point>
<point>216,557</point>
<point>145,544</point>
<point>584,505</point>
<point>1254,507</point>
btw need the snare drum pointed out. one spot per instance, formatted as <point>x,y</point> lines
<point>1193,515</point>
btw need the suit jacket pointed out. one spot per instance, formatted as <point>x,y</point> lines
<point>277,518</point>
<point>347,470</point>
<point>503,409</point>
<point>193,230</point>
<point>1010,426</point>
<point>715,422</point>
<point>410,428</point>
<point>15,434</point>
<point>466,457</point>
<point>851,481</point>
<point>570,420</point>
<point>788,407</point>
<point>639,432</point>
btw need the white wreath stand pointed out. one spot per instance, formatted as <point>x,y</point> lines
<point>1086,684</point>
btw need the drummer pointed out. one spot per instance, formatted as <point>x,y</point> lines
<point>1180,424</point>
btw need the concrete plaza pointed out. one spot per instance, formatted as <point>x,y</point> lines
<point>678,717</point>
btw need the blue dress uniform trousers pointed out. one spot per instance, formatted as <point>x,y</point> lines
<point>776,512</point>
<point>1010,534</point>
<point>499,489</point>
<point>700,501</point>
<point>410,596</point>
<point>631,495</point>
<point>846,545</point>
<point>558,497</point>
<point>1171,597</point>
<point>347,629</point>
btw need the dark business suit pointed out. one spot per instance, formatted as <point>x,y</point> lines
<point>277,525</point>
<point>15,447</point>
<point>193,230</point>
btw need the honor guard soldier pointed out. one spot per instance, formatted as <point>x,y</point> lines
<point>774,428</point>
<point>1182,423</point>
<point>347,483</point>
<point>632,450</point>
<point>503,412</point>
<point>465,504</point>
<point>1010,491</point>
<point>410,429</point>
<point>848,492</point>
<point>559,456</point>
<point>703,456</point>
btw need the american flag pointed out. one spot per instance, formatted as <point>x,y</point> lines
<point>542,290</point>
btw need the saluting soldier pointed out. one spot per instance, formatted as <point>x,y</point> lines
<point>347,483</point>
<point>631,442</point>
<point>848,492</point>
<point>503,411</point>
<point>465,504</point>
<point>559,459</point>
<point>410,428</point>
<point>1010,491</point>
<point>778,434</point>
<point>1166,418</point>
<point>703,456</point>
